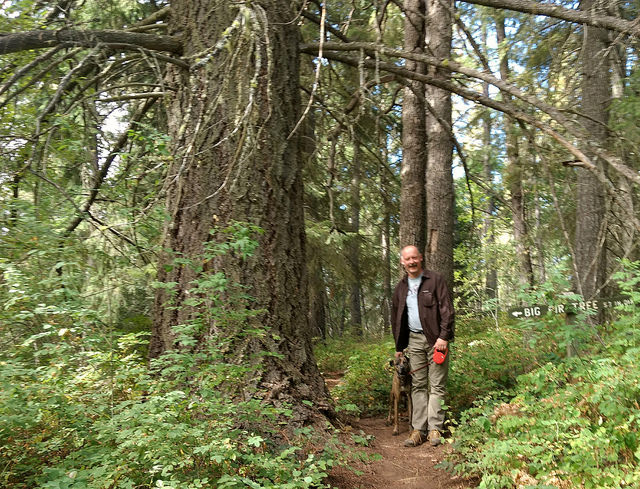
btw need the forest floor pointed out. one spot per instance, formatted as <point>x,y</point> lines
<point>397,466</point>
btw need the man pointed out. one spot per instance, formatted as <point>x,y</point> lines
<point>422,321</point>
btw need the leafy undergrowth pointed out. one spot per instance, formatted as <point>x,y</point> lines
<point>571,423</point>
<point>99,419</point>
<point>364,388</point>
<point>522,414</point>
<point>80,407</point>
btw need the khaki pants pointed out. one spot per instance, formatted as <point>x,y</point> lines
<point>428,385</point>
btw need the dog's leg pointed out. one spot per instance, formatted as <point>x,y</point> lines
<point>390,407</point>
<point>396,401</point>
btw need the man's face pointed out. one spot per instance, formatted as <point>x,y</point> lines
<point>411,260</point>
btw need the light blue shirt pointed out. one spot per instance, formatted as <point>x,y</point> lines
<point>412,304</point>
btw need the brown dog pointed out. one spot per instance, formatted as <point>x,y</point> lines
<point>400,385</point>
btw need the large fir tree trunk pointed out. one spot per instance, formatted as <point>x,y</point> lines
<point>590,199</point>
<point>440,191</point>
<point>414,137</point>
<point>236,158</point>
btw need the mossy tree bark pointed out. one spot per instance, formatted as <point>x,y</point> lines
<point>237,157</point>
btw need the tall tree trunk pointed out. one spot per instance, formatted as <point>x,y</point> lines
<point>514,176</point>
<point>385,246</point>
<point>317,300</point>
<point>590,212</point>
<point>621,237</point>
<point>15,195</point>
<point>342,313</point>
<point>414,137</point>
<point>237,159</point>
<point>354,245</point>
<point>542,275</point>
<point>439,177</point>
<point>488,229</point>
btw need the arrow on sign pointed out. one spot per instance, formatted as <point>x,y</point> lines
<point>517,313</point>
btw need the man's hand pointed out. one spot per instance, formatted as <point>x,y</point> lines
<point>398,354</point>
<point>441,345</point>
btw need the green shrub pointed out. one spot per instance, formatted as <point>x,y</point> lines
<point>80,407</point>
<point>333,354</point>
<point>366,376</point>
<point>77,426</point>
<point>486,360</point>
<point>571,423</point>
<point>367,379</point>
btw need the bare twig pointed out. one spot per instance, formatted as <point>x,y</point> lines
<point>120,143</point>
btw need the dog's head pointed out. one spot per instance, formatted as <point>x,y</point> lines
<point>401,365</point>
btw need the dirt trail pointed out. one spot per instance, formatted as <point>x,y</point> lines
<point>400,467</point>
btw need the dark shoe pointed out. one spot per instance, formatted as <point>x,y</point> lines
<point>415,438</point>
<point>435,438</point>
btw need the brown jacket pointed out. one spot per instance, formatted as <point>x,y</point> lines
<point>435,307</point>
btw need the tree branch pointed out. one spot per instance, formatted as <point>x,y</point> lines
<point>315,19</point>
<point>445,64</point>
<point>506,108</point>
<point>562,13</point>
<point>35,78</point>
<point>122,140</point>
<point>157,16</point>
<point>572,127</point>
<point>23,41</point>
<point>98,222</point>
<point>132,96</point>
<point>26,68</point>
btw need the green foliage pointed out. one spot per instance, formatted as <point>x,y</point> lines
<point>625,112</point>
<point>485,359</point>
<point>571,423</point>
<point>80,407</point>
<point>364,388</point>
<point>361,438</point>
<point>101,419</point>
<point>333,354</point>
<point>479,367</point>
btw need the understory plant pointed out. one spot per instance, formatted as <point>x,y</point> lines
<point>364,388</point>
<point>478,368</point>
<point>486,360</point>
<point>102,419</point>
<point>80,407</point>
<point>573,422</point>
